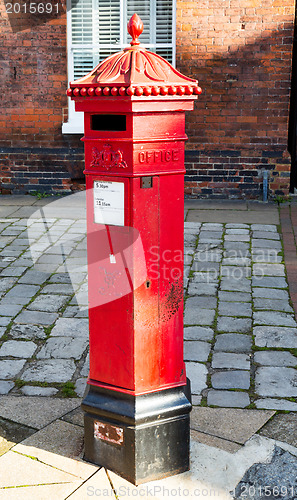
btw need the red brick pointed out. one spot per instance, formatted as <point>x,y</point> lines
<point>241,52</point>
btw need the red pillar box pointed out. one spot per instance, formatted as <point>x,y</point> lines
<point>138,401</point>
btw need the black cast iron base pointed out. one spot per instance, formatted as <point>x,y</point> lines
<point>141,438</point>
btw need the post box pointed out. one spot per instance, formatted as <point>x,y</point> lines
<point>138,400</point>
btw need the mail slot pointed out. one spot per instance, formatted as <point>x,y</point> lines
<point>138,401</point>
<point>108,122</point>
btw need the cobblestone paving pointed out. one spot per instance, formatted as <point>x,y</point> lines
<point>43,307</point>
<point>240,329</point>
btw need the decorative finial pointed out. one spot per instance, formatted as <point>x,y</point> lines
<point>135,28</point>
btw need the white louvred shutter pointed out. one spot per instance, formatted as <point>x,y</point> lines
<point>164,22</point>
<point>83,62</point>
<point>107,28</point>
<point>109,22</point>
<point>81,21</point>
<point>81,35</point>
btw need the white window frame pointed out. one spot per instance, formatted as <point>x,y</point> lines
<point>75,124</point>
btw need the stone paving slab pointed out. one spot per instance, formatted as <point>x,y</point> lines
<point>48,303</point>
<point>100,483</point>
<point>269,269</point>
<point>231,379</point>
<point>197,373</point>
<point>201,303</point>
<point>265,243</point>
<point>271,336</point>
<point>63,347</point>
<point>28,470</point>
<point>274,319</point>
<point>234,285</point>
<point>276,404</point>
<point>235,309</point>
<point>273,305</point>
<point>270,293</point>
<point>52,371</point>
<point>269,282</point>
<point>276,381</point>
<point>10,309</point>
<point>233,216</point>
<point>4,321</point>
<point>42,492</point>
<point>283,428</point>
<point>265,234</point>
<point>35,412</point>
<point>31,390</point>
<point>29,332</point>
<point>195,351</point>
<point>5,386</point>
<point>198,333</point>
<point>60,444</point>
<point>12,433</point>
<point>202,317</point>
<point>228,399</point>
<point>231,360</point>
<point>7,211</point>
<point>28,317</point>
<point>233,342</point>
<point>275,358</point>
<point>10,368</point>
<point>234,296</point>
<point>71,327</point>
<point>75,417</point>
<point>202,289</point>
<point>228,324</point>
<point>81,386</point>
<point>215,442</point>
<point>7,283</point>
<point>237,249</point>
<point>18,349</point>
<point>242,424</point>
<point>19,200</point>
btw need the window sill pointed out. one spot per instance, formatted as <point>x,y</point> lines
<point>72,128</point>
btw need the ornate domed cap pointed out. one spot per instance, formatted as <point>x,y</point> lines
<point>134,71</point>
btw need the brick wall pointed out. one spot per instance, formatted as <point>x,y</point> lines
<point>34,155</point>
<point>52,170</point>
<point>240,50</point>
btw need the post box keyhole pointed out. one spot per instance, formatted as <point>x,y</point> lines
<point>147,283</point>
<point>146,182</point>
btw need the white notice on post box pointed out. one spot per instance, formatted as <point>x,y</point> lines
<point>109,203</point>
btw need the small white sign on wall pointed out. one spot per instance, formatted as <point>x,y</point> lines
<point>109,203</point>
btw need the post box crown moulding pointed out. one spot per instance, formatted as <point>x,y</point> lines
<point>134,71</point>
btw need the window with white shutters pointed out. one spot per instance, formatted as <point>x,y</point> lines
<point>97,29</point>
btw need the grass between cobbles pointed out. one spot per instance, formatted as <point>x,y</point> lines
<point>66,390</point>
